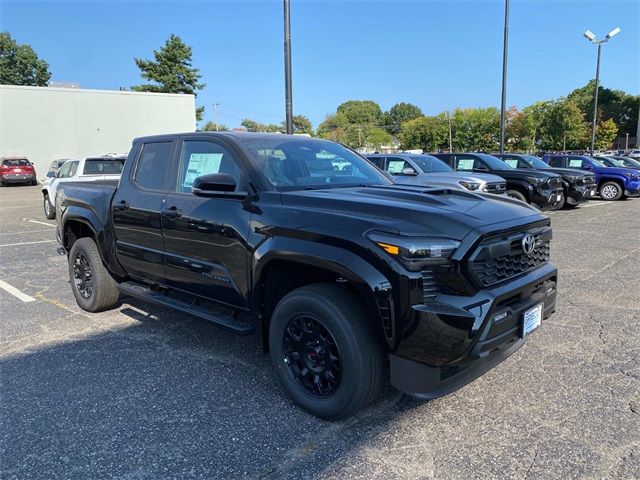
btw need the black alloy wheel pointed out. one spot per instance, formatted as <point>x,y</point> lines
<point>83,275</point>
<point>312,356</point>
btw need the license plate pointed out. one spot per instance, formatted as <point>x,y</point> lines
<point>532,319</point>
<point>558,197</point>
<point>17,169</point>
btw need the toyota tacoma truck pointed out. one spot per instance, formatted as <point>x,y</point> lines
<point>613,183</point>
<point>578,186</point>
<point>339,272</point>
<point>541,189</point>
<point>426,170</point>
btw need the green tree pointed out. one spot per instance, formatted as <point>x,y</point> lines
<point>520,130</point>
<point>213,127</point>
<point>476,129</point>
<point>171,71</point>
<point>376,137</point>
<point>336,127</point>
<point>606,133</point>
<point>398,114</point>
<point>253,126</point>
<point>19,64</point>
<point>563,126</point>
<point>428,133</point>
<point>361,112</point>
<point>301,124</point>
<point>617,105</point>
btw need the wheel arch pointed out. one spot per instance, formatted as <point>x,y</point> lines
<point>289,264</point>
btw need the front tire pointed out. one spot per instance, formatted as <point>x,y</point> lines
<point>49,209</point>
<point>561,202</point>
<point>517,195</point>
<point>91,283</point>
<point>610,191</point>
<point>324,351</point>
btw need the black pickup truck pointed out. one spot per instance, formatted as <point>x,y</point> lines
<point>542,189</point>
<point>306,243</point>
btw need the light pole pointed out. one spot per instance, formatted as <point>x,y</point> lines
<point>287,69</point>
<point>589,35</point>
<point>504,74</point>
<point>215,114</point>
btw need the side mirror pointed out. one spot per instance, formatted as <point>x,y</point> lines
<point>481,169</point>
<point>587,166</point>
<point>409,171</point>
<point>220,185</point>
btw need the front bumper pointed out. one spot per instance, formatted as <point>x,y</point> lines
<point>546,198</point>
<point>18,178</point>
<point>632,189</point>
<point>456,338</point>
<point>580,194</point>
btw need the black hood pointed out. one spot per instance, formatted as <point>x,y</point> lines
<point>564,172</point>
<point>407,210</point>
<point>523,173</point>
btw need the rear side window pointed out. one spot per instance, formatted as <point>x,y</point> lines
<point>103,167</point>
<point>377,161</point>
<point>152,165</point>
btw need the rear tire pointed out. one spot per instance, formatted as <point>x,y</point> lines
<point>34,182</point>
<point>610,191</point>
<point>91,283</point>
<point>517,195</point>
<point>49,209</point>
<point>343,360</point>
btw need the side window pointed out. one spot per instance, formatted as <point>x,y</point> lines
<point>512,162</point>
<point>204,158</point>
<point>152,164</point>
<point>396,165</point>
<point>64,171</point>
<point>377,161</point>
<point>74,169</point>
<point>465,164</point>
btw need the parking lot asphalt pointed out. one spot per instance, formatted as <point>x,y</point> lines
<point>143,392</point>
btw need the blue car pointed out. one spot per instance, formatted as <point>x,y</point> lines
<point>613,182</point>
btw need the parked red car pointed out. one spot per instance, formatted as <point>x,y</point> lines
<point>17,170</point>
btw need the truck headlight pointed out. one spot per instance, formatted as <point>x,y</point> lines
<point>469,185</point>
<point>535,180</point>
<point>415,253</point>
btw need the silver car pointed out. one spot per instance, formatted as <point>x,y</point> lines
<point>429,171</point>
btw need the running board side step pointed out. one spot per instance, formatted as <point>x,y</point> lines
<point>231,319</point>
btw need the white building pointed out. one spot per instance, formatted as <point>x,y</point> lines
<point>45,123</point>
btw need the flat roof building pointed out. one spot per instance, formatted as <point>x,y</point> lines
<point>46,123</point>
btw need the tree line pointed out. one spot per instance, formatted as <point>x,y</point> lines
<point>560,124</point>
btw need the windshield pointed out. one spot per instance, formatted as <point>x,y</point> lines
<point>611,162</point>
<point>629,162</point>
<point>16,162</point>
<point>99,166</point>
<point>429,164</point>
<point>537,162</point>
<point>296,163</point>
<point>493,162</point>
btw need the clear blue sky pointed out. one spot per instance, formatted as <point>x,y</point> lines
<point>436,54</point>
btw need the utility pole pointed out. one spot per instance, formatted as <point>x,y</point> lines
<point>505,48</point>
<point>589,35</point>
<point>626,143</point>
<point>450,142</point>
<point>287,68</point>
<point>215,114</point>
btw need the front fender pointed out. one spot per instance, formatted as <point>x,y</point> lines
<point>372,285</point>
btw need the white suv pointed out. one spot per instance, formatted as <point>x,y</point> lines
<point>91,169</point>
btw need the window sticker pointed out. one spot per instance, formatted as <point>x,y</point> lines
<point>395,167</point>
<point>465,164</point>
<point>511,163</point>
<point>575,163</point>
<point>201,164</point>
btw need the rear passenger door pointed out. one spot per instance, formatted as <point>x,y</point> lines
<point>136,212</point>
<point>206,238</point>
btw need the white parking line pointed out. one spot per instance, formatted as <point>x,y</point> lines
<point>15,292</point>
<point>597,204</point>
<point>26,243</point>
<point>39,222</point>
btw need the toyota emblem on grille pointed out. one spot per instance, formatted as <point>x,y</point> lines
<point>528,244</point>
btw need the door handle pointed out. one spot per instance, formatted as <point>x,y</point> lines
<point>122,206</point>
<point>172,212</point>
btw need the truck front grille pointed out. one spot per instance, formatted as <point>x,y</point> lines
<point>554,182</point>
<point>587,180</point>
<point>496,188</point>
<point>500,258</point>
<point>429,288</point>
